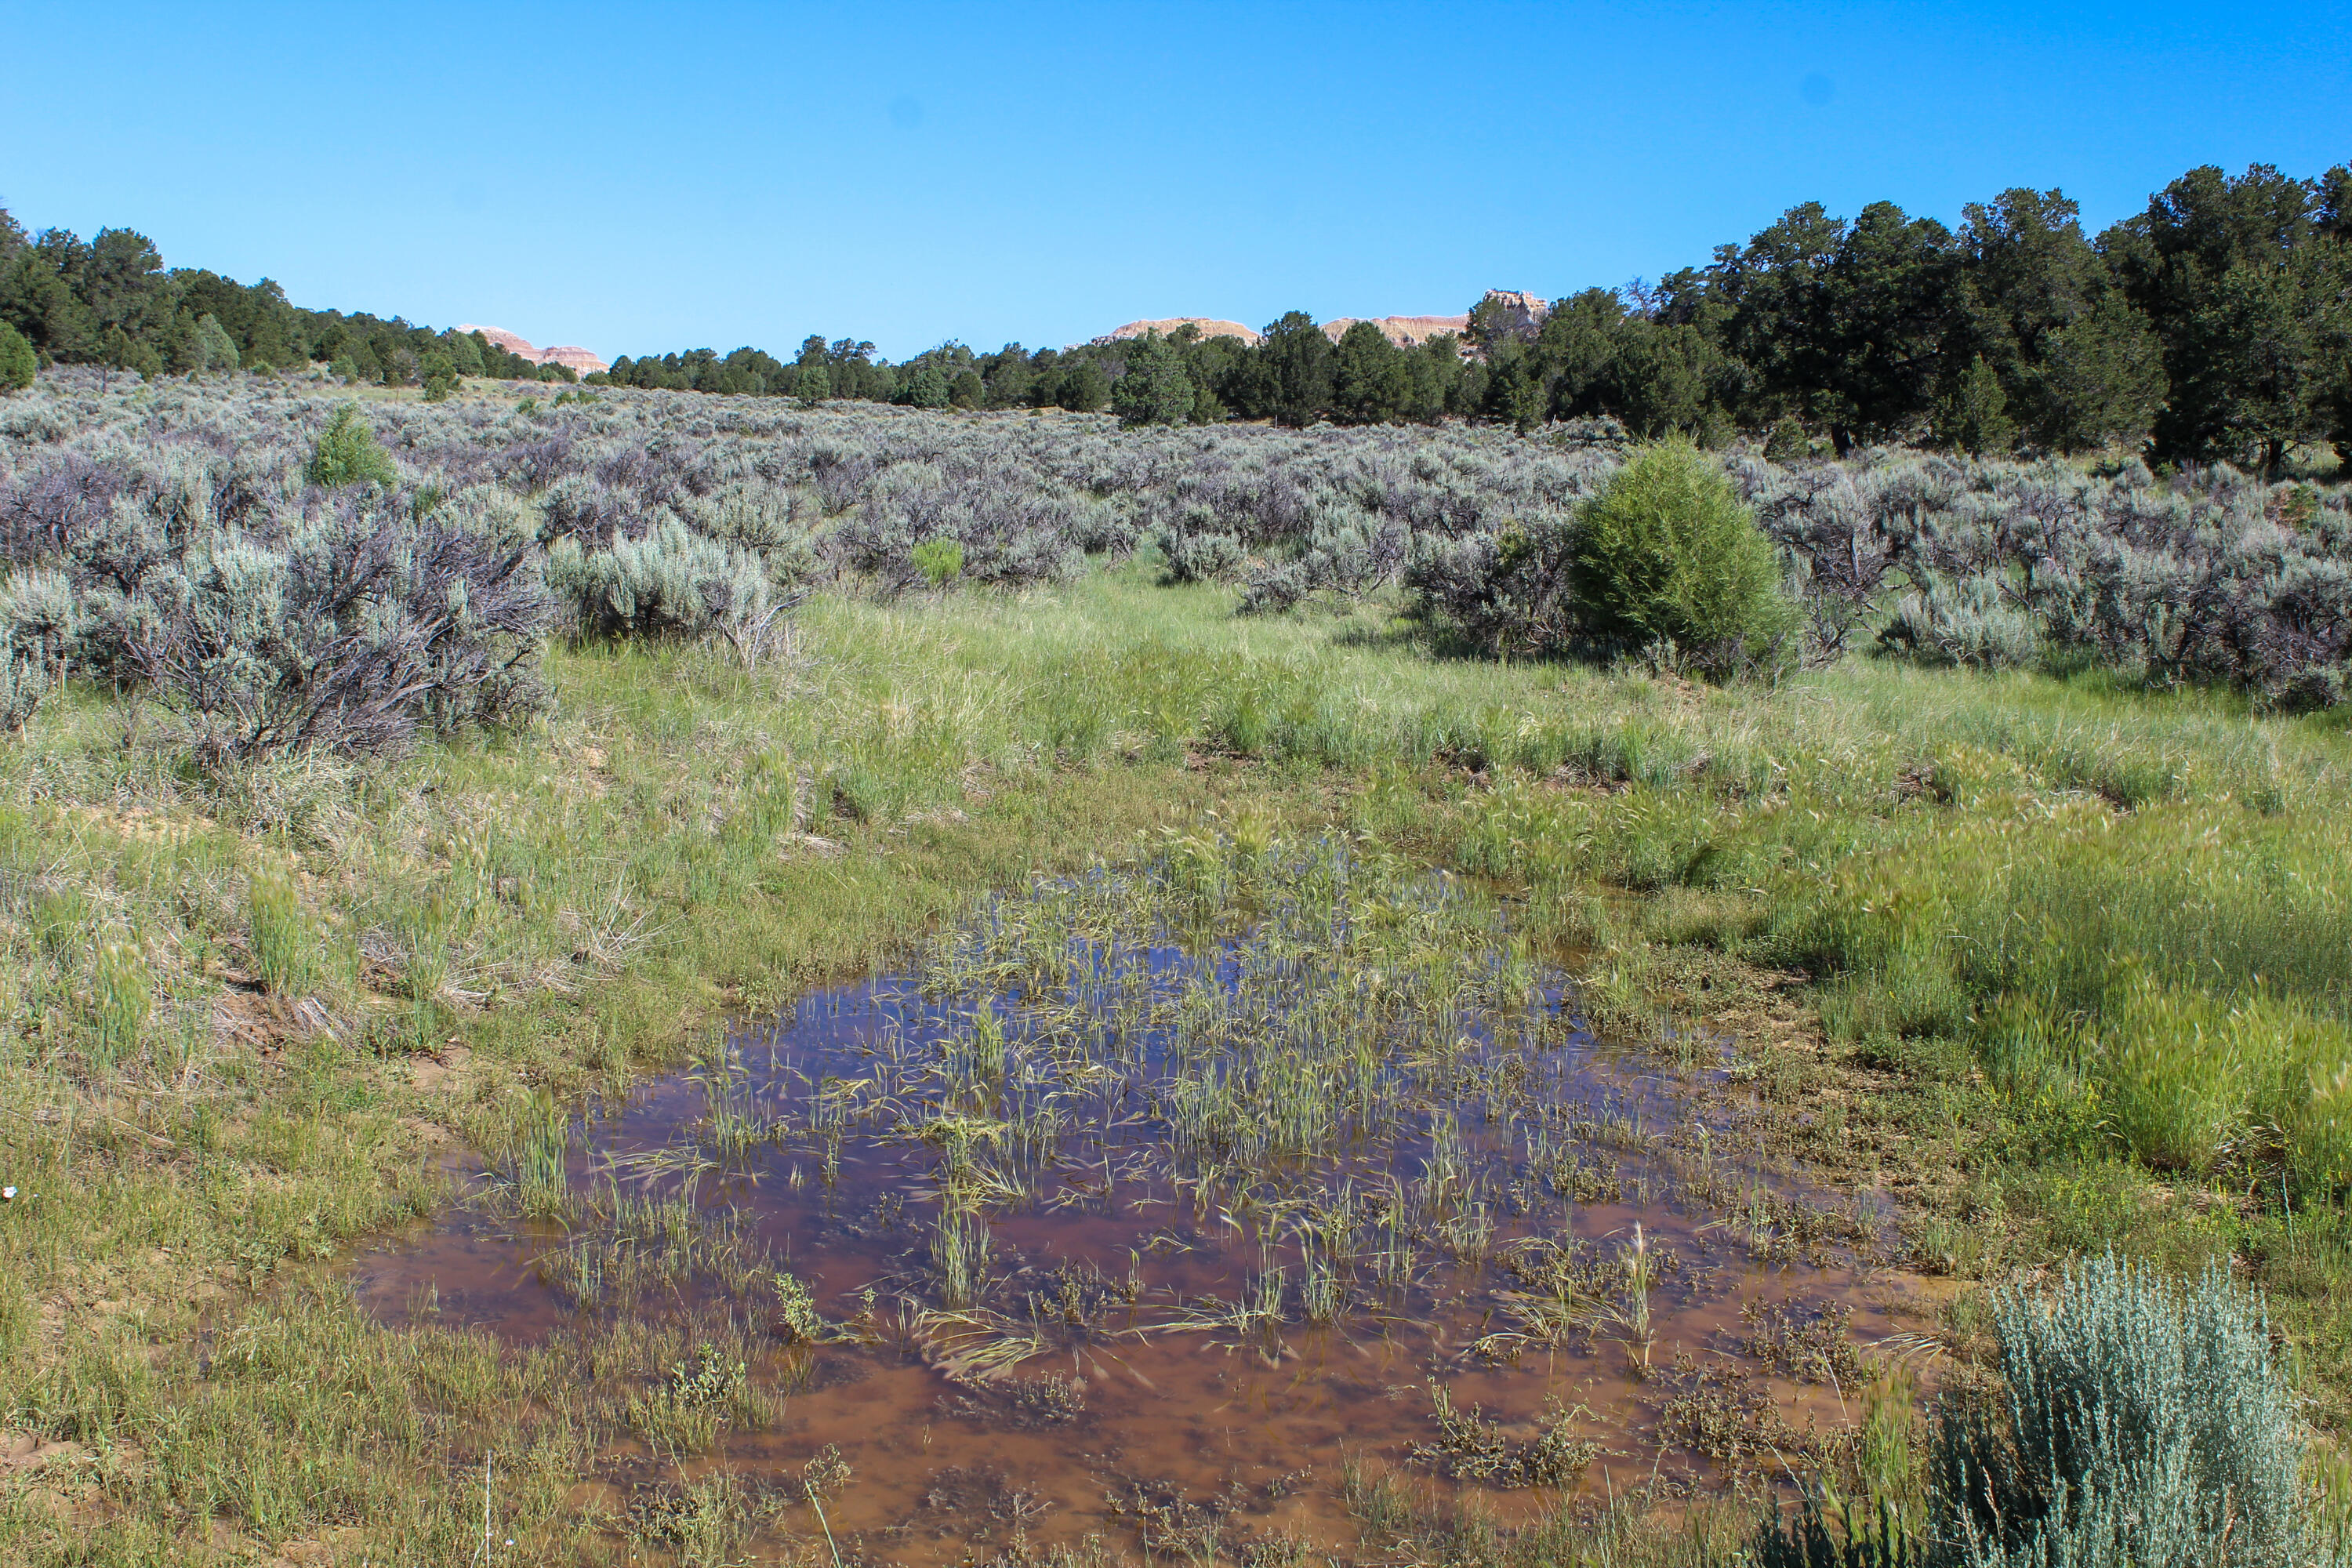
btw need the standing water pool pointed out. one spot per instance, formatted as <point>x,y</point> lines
<point>1206,1207</point>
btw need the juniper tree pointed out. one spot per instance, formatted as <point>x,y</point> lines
<point>216,351</point>
<point>1156,388</point>
<point>16,360</point>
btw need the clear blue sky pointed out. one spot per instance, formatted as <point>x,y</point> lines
<point>645,178</point>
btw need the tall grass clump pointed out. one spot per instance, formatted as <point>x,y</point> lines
<point>120,992</point>
<point>285,953</point>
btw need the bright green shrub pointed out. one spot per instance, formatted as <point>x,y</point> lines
<point>347,453</point>
<point>17,363</point>
<point>214,352</point>
<point>941,561</point>
<point>1667,552</point>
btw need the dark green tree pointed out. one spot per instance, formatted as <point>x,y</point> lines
<point>1575,350</point>
<point>1369,381</point>
<point>929,389</point>
<point>1293,359</point>
<point>1433,371</point>
<point>464,351</point>
<point>2101,381</point>
<point>1662,379</point>
<point>1009,378</point>
<point>1516,388</point>
<point>2244,282</point>
<point>216,351</point>
<point>1974,416</point>
<point>1155,388</point>
<point>1083,387</point>
<point>2028,274</point>
<point>1847,326</point>
<point>815,383</point>
<point>36,298</point>
<point>16,360</point>
<point>1891,308</point>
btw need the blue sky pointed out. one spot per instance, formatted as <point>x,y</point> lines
<point>645,178</point>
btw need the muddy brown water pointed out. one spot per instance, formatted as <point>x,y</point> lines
<point>1142,1375</point>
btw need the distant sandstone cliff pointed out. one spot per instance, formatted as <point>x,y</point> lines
<point>582,362</point>
<point>1512,312</point>
<point>1405,331</point>
<point>1165,327</point>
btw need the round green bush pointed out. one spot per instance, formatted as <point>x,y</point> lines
<point>16,360</point>
<point>1666,552</point>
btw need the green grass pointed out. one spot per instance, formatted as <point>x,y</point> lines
<point>2072,961</point>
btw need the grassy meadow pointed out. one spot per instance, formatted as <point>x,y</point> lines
<point>2060,965</point>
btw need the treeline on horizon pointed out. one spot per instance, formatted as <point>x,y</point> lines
<point>2212,326</point>
<point>110,301</point>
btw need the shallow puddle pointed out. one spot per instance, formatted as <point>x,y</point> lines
<point>1168,1205</point>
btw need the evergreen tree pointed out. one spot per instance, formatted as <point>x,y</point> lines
<point>1432,372</point>
<point>1667,552</point>
<point>1844,325</point>
<point>929,389</point>
<point>1295,361</point>
<point>1576,348</point>
<point>815,382</point>
<point>2244,282</point>
<point>1516,386</point>
<point>16,360</point>
<point>215,352</point>
<point>2101,382</point>
<point>1890,304</point>
<point>464,351</point>
<point>1974,415</point>
<point>1155,389</point>
<point>1083,388</point>
<point>347,453</point>
<point>1660,379</point>
<point>1370,382</point>
<point>2031,282</point>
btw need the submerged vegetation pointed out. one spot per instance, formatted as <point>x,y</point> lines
<point>391,783</point>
